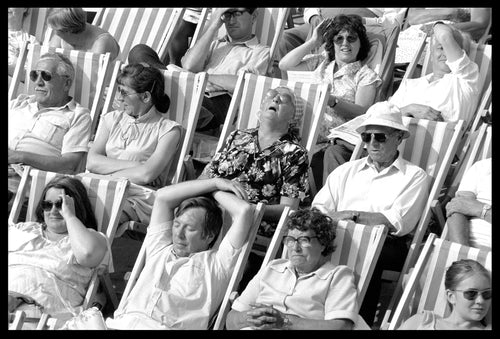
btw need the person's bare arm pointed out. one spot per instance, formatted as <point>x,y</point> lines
<point>88,247</point>
<point>444,35</point>
<point>458,228</point>
<point>66,163</point>
<point>418,15</point>
<point>365,96</point>
<point>196,57</point>
<point>479,21</point>
<point>55,41</point>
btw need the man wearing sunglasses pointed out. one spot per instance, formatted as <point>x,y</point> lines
<point>47,130</point>
<point>223,58</point>
<point>381,188</point>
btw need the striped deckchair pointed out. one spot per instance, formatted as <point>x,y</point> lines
<point>186,91</point>
<point>90,73</point>
<point>358,246</point>
<point>425,288</point>
<point>235,276</point>
<point>431,145</point>
<point>132,26</point>
<point>35,23</point>
<point>106,196</point>
<point>268,27</point>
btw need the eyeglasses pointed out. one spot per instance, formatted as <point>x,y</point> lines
<point>472,294</point>
<point>46,76</point>
<point>379,137</point>
<point>124,94</point>
<point>339,39</point>
<point>47,204</point>
<point>303,241</point>
<point>226,16</point>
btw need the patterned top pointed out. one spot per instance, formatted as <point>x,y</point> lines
<point>345,83</point>
<point>278,170</point>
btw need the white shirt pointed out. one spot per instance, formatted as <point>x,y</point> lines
<point>399,191</point>
<point>477,179</point>
<point>455,95</point>
<point>176,293</point>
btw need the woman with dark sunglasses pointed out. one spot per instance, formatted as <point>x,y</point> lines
<point>52,259</point>
<point>468,292</point>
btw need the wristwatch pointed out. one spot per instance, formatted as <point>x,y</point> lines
<point>355,216</point>
<point>335,103</point>
<point>485,210</point>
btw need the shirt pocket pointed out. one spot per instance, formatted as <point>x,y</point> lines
<point>50,130</point>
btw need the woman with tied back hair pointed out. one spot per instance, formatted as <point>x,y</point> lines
<point>71,31</point>
<point>468,291</point>
<point>137,141</point>
<point>51,260</point>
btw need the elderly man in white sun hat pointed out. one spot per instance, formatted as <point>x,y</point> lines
<point>381,188</point>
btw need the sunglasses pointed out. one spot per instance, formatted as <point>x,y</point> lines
<point>46,76</point>
<point>379,137</point>
<point>47,204</point>
<point>124,94</point>
<point>303,241</point>
<point>472,294</point>
<point>226,16</point>
<point>339,39</point>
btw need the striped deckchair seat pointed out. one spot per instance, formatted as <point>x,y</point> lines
<point>132,26</point>
<point>35,22</point>
<point>425,289</point>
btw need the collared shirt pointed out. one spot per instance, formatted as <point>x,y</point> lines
<point>176,293</point>
<point>227,57</point>
<point>344,84</point>
<point>135,139</point>
<point>48,131</point>
<point>477,179</point>
<point>267,174</point>
<point>455,95</point>
<point>399,191</point>
<point>325,294</point>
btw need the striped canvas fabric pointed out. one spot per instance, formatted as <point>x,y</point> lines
<point>132,26</point>
<point>35,23</point>
<point>425,287</point>
<point>186,91</point>
<point>90,72</point>
<point>312,99</point>
<point>106,197</point>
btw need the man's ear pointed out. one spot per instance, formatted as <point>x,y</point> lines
<point>254,15</point>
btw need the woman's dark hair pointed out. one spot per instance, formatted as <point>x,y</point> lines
<point>213,215</point>
<point>69,20</point>
<point>74,188</point>
<point>352,23</point>
<point>144,78</point>
<point>143,53</point>
<point>322,225</point>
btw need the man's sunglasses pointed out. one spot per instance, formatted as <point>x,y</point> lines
<point>47,204</point>
<point>226,16</point>
<point>379,137</point>
<point>339,39</point>
<point>46,76</point>
<point>472,294</point>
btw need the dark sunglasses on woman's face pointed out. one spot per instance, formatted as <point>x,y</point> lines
<point>47,204</point>
<point>472,294</point>
<point>339,39</point>
<point>379,137</point>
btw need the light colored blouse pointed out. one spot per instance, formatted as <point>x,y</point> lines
<point>47,270</point>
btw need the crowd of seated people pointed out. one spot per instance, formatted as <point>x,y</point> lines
<point>190,256</point>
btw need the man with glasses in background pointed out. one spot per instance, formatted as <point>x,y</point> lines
<point>223,58</point>
<point>381,188</point>
<point>48,130</point>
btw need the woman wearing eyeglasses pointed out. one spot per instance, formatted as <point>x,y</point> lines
<point>468,292</point>
<point>303,292</point>
<point>353,85</point>
<point>52,259</point>
<point>137,141</point>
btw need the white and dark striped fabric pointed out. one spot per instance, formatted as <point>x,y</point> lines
<point>35,22</point>
<point>132,26</point>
